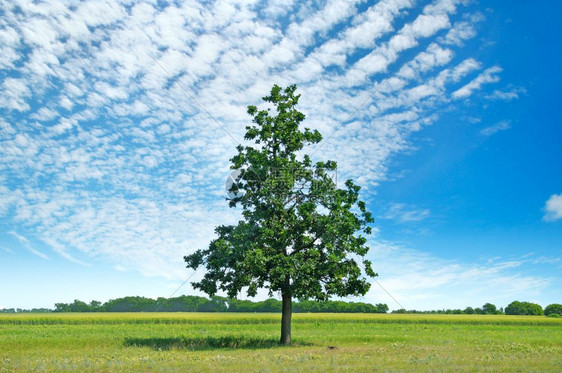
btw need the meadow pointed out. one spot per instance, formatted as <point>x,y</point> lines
<point>242,342</point>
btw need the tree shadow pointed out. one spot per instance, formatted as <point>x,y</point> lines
<point>207,343</point>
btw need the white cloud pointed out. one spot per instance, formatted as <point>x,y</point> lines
<point>460,32</point>
<point>435,56</point>
<point>427,25</point>
<point>467,66</point>
<point>553,208</point>
<point>488,76</point>
<point>422,281</point>
<point>25,242</point>
<point>103,154</point>
<point>405,214</point>
<point>500,126</point>
<point>510,93</point>
<point>278,8</point>
<point>14,94</point>
<point>19,237</point>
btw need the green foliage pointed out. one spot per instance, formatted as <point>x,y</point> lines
<point>554,308</point>
<point>489,309</point>
<point>215,304</point>
<point>20,310</point>
<point>339,307</point>
<point>486,309</point>
<point>130,304</point>
<point>523,308</point>
<point>184,303</point>
<point>298,230</point>
<point>78,306</point>
<point>190,303</point>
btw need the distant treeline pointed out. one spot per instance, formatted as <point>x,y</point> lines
<point>21,310</point>
<point>514,308</point>
<point>189,303</point>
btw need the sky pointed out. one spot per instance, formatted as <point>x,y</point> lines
<point>118,120</point>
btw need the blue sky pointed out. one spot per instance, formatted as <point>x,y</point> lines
<point>118,120</point>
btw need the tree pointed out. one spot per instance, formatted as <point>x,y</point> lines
<point>489,309</point>
<point>553,309</point>
<point>523,308</point>
<point>299,235</point>
<point>62,307</point>
<point>130,304</point>
<point>79,306</point>
<point>95,305</point>
<point>381,308</point>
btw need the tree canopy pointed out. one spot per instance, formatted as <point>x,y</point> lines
<point>523,308</point>
<point>553,308</point>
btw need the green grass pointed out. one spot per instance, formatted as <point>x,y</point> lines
<point>248,342</point>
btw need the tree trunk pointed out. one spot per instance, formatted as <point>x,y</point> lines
<point>286,318</point>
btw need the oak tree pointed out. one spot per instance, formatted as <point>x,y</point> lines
<point>299,234</point>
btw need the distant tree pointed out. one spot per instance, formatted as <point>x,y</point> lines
<point>469,310</point>
<point>130,304</point>
<point>38,310</point>
<point>79,306</point>
<point>95,305</point>
<point>191,303</point>
<point>215,304</point>
<point>306,306</point>
<point>299,234</point>
<point>534,309</point>
<point>478,311</point>
<point>240,305</point>
<point>338,307</point>
<point>381,308</point>
<point>270,305</point>
<point>524,308</point>
<point>554,308</point>
<point>489,309</point>
<point>62,307</point>
<point>184,303</point>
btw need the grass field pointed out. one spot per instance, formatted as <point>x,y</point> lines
<point>248,342</point>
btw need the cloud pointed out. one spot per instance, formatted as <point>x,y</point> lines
<point>460,32</point>
<point>27,245</point>
<point>511,93</point>
<point>104,155</point>
<point>488,76</point>
<point>15,93</point>
<point>7,250</point>
<point>422,281</point>
<point>553,208</point>
<point>405,214</point>
<point>500,126</point>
